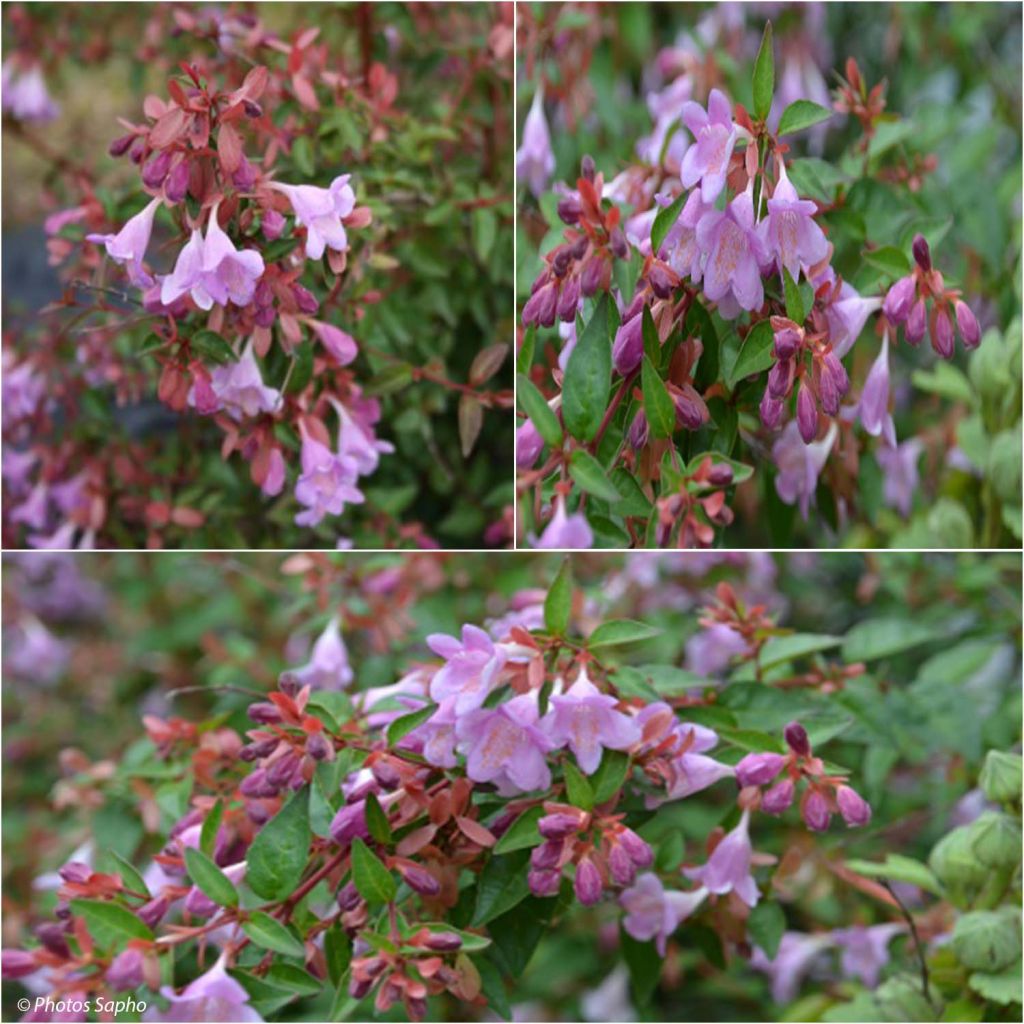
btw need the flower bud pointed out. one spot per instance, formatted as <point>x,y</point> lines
<point>244,176</point>
<point>151,913</point>
<point>358,988</point>
<point>257,784</point>
<point>17,963</point>
<point>588,884</point>
<point>899,299</point>
<point>386,775</point>
<point>570,209</point>
<point>759,769</point>
<point>306,301</point>
<point>542,306</point>
<point>121,145</point>
<point>806,414</point>
<point>125,970</point>
<point>443,942</point>
<point>628,348</point>
<point>787,342</point>
<point>967,325</point>
<point>317,746</point>
<point>569,300</point>
<point>252,109</point>
<point>621,866</point>
<point>691,412</point>
<point>638,849</point>
<point>779,798</point>
<point>638,432</point>
<point>917,322</point>
<point>922,255</point>
<point>155,171</point>
<point>595,273</point>
<point>287,682</point>
<point>281,771</point>
<point>588,169</point>
<point>529,444</point>
<point>264,713</point>
<point>771,410</point>
<point>815,811</point>
<point>559,825</point>
<point>348,897</point>
<point>419,879</point>
<point>852,806</point>
<point>721,475</point>
<point>796,737</point>
<point>546,856</point>
<point>780,378</point>
<point>995,840</point>
<point>350,823</point>
<point>272,225</point>
<point>834,383</point>
<point>52,937</point>
<point>942,334</point>
<point>1001,776</point>
<point>544,883</point>
<point>75,871</point>
<point>176,185</point>
<point>662,279</point>
<point>620,247</point>
<point>988,940</point>
<point>561,262</point>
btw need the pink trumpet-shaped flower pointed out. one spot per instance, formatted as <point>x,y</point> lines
<point>566,532</point>
<point>535,161</point>
<point>734,251</point>
<point>328,667</point>
<point>471,668</point>
<point>899,474</point>
<point>128,246</point>
<point>653,912</point>
<point>327,483</point>
<point>728,867</point>
<point>240,390</point>
<point>320,212</point>
<point>213,996</point>
<point>800,465</point>
<point>715,133</point>
<point>874,399</point>
<point>789,232</point>
<point>24,95</point>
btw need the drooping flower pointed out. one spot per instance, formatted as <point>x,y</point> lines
<point>535,161</point>
<point>213,996</point>
<point>128,246</point>
<point>732,277</point>
<point>664,108</point>
<point>437,735</point>
<point>654,912</point>
<point>691,772</point>
<point>328,667</point>
<point>759,769</point>
<point>715,133</point>
<point>874,400</point>
<point>505,745</point>
<point>711,650</point>
<point>791,235</point>
<point>728,867</point>
<point>852,806</point>
<point>610,1000</point>
<point>899,474</point>
<point>565,532</point>
<point>23,94</point>
<point>356,438</point>
<point>327,483</point>
<point>793,959</point>
<point>865,951</point>
<point>471,667</point>
<point>847,316</point>
<point>240,390</point>
<point>800,464</point>
<point>350,822</point>
<point>341,345</point>
<point>684,253</point>
<point>320,212</point>
<point>587,721</point>
<point>529,444</point>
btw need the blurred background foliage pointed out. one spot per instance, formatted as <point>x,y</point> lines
<point>92,642</point>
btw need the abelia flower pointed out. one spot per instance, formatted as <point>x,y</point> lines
<point>471,668</point>
<point>341,345</point>
<point>779,798</point>
<point>732,276</point>
<point>320,212</point>
<point>899,299</point>
<point>328,667</point>
<point>715,133</point>
<point>628,346</point>
<point>711,651</point>
<point>506,746</point>
<point>356,438</point>
<point>728,867</point>
<point>535,161</point>
<point>350,823</point>
<point>815,810</point>
<point>691,772</point>
<point>213,996</point>
<point>587,883</point>
<point>967,325</point>
<point>852,806</point>
<point>759,769</point>
<point>240,390</point>
<point>847,316</point>
<point>587,721</point>
<point>654,912</point>
<point>865,951</point>
<point>327,483</point>
<point>23,93</point>
<point>874,400</point>
<point>565,532</point>
<point>799,465</point>
<point>899,474</point>
<point>128,246</point>
<point>664,109</point>
<point>529,444</point>
<point>684,253</point>
<point>796,955</point>
<point>790,234</point>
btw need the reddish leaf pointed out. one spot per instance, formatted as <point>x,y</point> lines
<point>168,128</point>
<point>475,831</point>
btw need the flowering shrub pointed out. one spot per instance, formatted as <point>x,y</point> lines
<point>718,335</point>
<point>639,792</point>
<point>295,248</point>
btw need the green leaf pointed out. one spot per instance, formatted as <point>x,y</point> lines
<point>211,826</point>
<point>210,345</point>
<point>764,75</point>
<point>278,855</point>
<point>882,638</point>
<point>801,114</point>
<point>293,979</point>
<point>1003,988</point>
<point>578,789</point>
<point>898,868</point>
<point>492,985</point>
<point>337,952</point>
<point>109,923</point>
<point>755,356</point>
<point>534,405</point>
<point>752,740</point>
<point>780,649</point>
<point>659,408</point>
<point>610,776</point>
<point>620,631</point>
<point>765,926</point>
<point>377,821</point>
<point>302,368</point>
<point>664,219</point>
<point>588,376</point>
<point>130,875</point>
<point>501,886</point>
<point>888,258</point>
<point>558,603</point>
<point>375,883</point>
<point>269,933</point>
<point>522,833</point>
<point>389,380</point>
<point>302,153</point>
<point>591,477</point>
<point>401,727</point>
<point>644,966</point>
<point>210,879</point>
<point>794,300</point>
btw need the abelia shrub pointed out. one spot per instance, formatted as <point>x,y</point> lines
<point>264,258</point>
<point>708,331</point>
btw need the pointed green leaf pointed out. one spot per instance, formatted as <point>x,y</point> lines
<point>280,851</point>
<point>401,727</point>
<point>522,833</point>
<point>610,775</point>
<point>591,477</point>
<point>658,405</point>
<point>801,114</point>
<point>764,75</point>
<point>534,405</point>
<point>620,631</point>
<point>664,219</point>
<point>110,923</point>
<point>794,300</point>
<point>210,879</point>
<point>375,883</point>
<point>588,376</point>
<point>129,874</point>
<point>578,789</point>
<point>211,825</point>
<point>376,820</point>
<point>756,354</point>
<point>558,603</point>
<point>269,933</point>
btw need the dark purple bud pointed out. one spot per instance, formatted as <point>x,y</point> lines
<point>639,431</point>
<point>759,769</point>
<point>348,896</point>
<point>52,937</point>
<point>780,378</point>
<point>592,275</point>
<point>138,151</point>
<point>420,880</point>
<point>386,775</point>
<point>691,412</point>
<point>281,771</point>
<point>155,171</point>
<point>317,746</point>
<point>569,300</point>
<point>350,823</point>
<point>151,913</point>
<point>621,866</point>
<point>638,849</point>
<point>252,109</point>
<point>852,806</point>
<point>244,176</point>
<point>272,225</point>
<point>815,811</point>
<point>17,963</point>
<point>561,262</point>
<point>942,334</point>
<point>771,410</point>
<point>662,279</point>
<point>588,168</point>
<point>778,798</point>
<point>258,813</point>
<point>359,987</point>
<point>307,302</point>
<point>558,826</point>
<point>787,342</point>
<point>287,682</point>
<point>264,713</point>
<point>121,145</point>
<point>579,247</point>
<point>544,883</point>
<point>588,884</point>
<point>125,970</point>
<point>899,299</point>
<point>257,784</point>
<point>917,322</point>
<point>416,1007</point>
<point>176,185</point>
<point>542,306</point>
<point>967,324</point>
<point>796,737</point>
<point>806,414</point>
<point>546,856</point>
<point>628,349</point>
<point>921,252</point>
<point>620,247</point>
<point>444,942</point>
<point>834,383</point>
<point>720,475</point>
<point>75,871</point>
<point>570,209</point>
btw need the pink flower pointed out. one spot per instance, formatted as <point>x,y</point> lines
<point>728,867</point>
<point>327,483</point>
<point>758,769</point>
<point>350,823</point>
<point>213,996</point>
<point>240,389</point>
<point>815,811</point>
<point>587,720</point>
<point>711,651</point>
<point>684,254</point>
<point>437,735</point>
<point>691,772</point>
<point>328,667</point>
<point>470,670</point>
<point>800,464</point>
<point>535,162</point>
<point>664,108</point>
<point>24,95</point>
<point>339,344</point>
<point>715,134</point>
<point>652,912</point>
<point>565,532</point>
<point>779,798</point>
<point>732,276</point>
<point>789,232</point>
<point>506,746</point>
<point>847,316</point>
<point>320,212</point>
<point>900,476</point>
<point>273,482</point>
<point>874,400</point>
<point>529,444</point>
<point>865,950</point>
<point>356,439</point>
<point>793,959</point>
<point>128,246</point>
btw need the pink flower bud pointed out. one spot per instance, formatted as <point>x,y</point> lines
<point>125,970</point>
<point>348,897</point>
<point>691,412</point>
<point>852,806</point>
<point>638,849</point>
<point>796,737</point>
<point>542,306</point>
<point>780,378</point>
<point>52,937</point>
<point>155,171</point>
<point>942,334</point>
<point>264,713</point>
<point>176,185</point>
<point>815,811</point>
<point>317,746</point>
<point>588,169</point>
<point>544,883</point>
<point>618,242</point>
<point>967,324</point>
<point>899,298</point>
<point>628,348</point>
<point>558,826</point>
<point>75,871</point>
<point>759,769</point>
<point>922,255</point>
<point>787,342</point>
<point>244,176</point>
<point>272,225</point>
<point>806,414</point>
<point>529,444</point>
<point>771,410</point>
<point>546,856</point>
<point>151,913</point>
<point>17,963</point>
<point>570,209</point>
<point>917,322</point>
<point>569,300</point>
<point>588,884</point>
<point>662,279</point>
<point>121,145</point>
<point>834,383</point>
<point>720,475</point>
<point>778,798</point>
<point>443,942</point>
<point>420,879</point>
<point>621,866</point>
<point>350,823</point>
<point>305,299</point>
<point>638,431</point>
